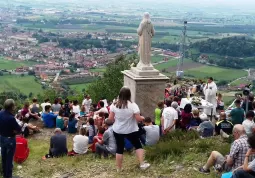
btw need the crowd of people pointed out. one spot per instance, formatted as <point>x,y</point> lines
<point>110,128</point>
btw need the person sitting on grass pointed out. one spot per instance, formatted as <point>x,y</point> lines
<point>224,125</point>
<point>56,106</point>
<point>22,150</point>
<point>99,135</point>
<point>151,132</point>
<point>35,107</point>
<point>58,145</point>
<point>247,170</point>
<point>91,130</point>
<point>61,121</point>
<point>80,143</point>
<point>26,111</point>
<point>186,116</point>
<point>72,124</point>
<point>236,156</point>
<point>195,120</point>
<point>48,117</point>
<point>206,128</point>
<point>107,144</point>
<point>248,123</point>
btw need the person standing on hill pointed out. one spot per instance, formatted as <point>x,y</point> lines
<point>237,114</point>
<point>8,129</point>
<point>210,91</point>
<point>87,103</point>
<point>126,114</point>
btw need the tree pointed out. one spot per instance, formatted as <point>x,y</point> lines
<point>112,80</point>
<point>30,95</point>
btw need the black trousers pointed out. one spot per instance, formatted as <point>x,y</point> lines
<point>132,137</point>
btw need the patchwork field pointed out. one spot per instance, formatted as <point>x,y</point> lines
<point>79,87</point>
<point>24,84</point>
<point>217,73</point>
<point>10,64</point>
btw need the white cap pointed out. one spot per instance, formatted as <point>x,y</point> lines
<point>203,117</point>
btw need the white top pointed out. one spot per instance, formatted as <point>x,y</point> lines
<point>87,102</point>
<point>43,106</point>
<point>125,122</point>
<point>103,110</point>
<point>169,114</point>
<point>76,109</point>
<point>248,126</point>
<point>80,144</point>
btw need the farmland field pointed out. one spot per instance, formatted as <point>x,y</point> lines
<point>10,64</point>
<point>79,87</point>
<point>216,72</point>
<point>24,84</point>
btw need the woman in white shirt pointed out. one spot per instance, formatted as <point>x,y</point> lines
<point>76,108</point>
<point>126,114</point>
<point>80,143</point>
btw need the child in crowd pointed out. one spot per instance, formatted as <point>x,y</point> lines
<point>83,111</point>
<point>158,112</point>
<point>220,103</point>
<point>151,132</point>
<point>195,120</point>
<point>61,121</point>
<point>99,136</point>
<point>72,124</point>
<point>99,119</point>
<point>91,130</point>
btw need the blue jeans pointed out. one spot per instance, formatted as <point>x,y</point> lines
<point>243,174</point>
<point>8,146</point>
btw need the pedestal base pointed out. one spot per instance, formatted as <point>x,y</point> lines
<point>146,90</point>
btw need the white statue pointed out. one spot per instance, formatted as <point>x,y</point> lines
<point>146,32</point>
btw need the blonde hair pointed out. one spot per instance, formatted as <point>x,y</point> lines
<point>195,112</point>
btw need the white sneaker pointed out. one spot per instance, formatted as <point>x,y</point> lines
<point>144,166</point>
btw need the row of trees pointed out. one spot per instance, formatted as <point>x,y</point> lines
<point>235,47</point>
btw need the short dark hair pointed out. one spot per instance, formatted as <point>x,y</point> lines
<point>46,100</point>
<point>251,141</point>
<point>66,100</point>
<point>72,116</point>
<point>210,78</point>
<point>47,107</point>
<point>237,101</point>
<point>61,112</point>
<point>91,121</point>
<point>161,104</point>
<point>56,101</point>
<point>34,100</point>
<point>187,108</point>
<point>147,120</point>
<point>101,103</point>
<point>250,114</point>
<point>75,102</point>
<point>168,102</point>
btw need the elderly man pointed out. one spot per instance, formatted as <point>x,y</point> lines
<point>8,129</point>
<point>236,156</point>
<point>210,91</point>
<point>58,145</point>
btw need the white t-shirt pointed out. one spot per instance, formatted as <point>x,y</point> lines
<point>76,109</point>
<point>103,110</point>
<point>248,126</point>
<point>125,122</point>
<point>87,103</point>
<point>43,106</point>
<point>80,144</point>
<point>169,114</point>
<point>152,134</point>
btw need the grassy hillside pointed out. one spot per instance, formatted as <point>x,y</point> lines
<point>177,156</point>
<point>25,84</point>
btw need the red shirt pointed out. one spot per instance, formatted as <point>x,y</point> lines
<point>185,119</point>
<point>22,150</point>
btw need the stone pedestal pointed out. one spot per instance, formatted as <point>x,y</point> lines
<point>147,88</point>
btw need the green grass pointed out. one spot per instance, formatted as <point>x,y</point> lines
<point>10,64</point>
<point>79,87</point>
<point>176,149</point>
<point>100,70</point>
<point>24,84</point>
<point>217,73</point>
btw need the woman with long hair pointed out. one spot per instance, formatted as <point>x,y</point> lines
<point>126,115</point>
